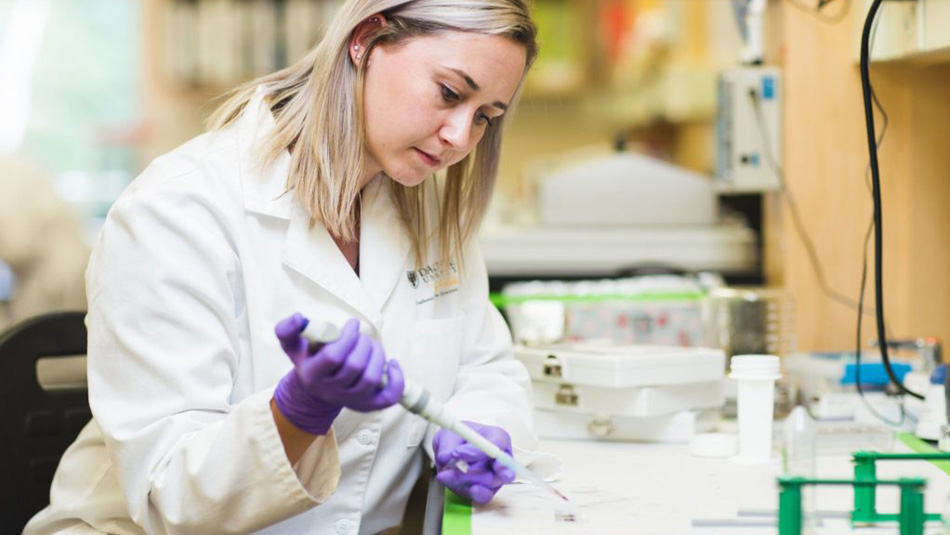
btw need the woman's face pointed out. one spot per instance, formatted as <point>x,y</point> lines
<point>429,101</point>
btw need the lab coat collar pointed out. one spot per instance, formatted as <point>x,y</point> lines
<point>264,190</point>
<point>311,251</point>
<point>384,243</point>
<point>384,247</point>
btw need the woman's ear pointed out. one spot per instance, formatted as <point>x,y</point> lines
<point>362,34</point>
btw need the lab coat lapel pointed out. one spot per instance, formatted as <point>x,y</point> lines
<point>384,245</point>
<point>263,189</point>
<point>312,252</point>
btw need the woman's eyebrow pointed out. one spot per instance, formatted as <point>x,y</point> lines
<point>475,87</point>
<point>468,79</point>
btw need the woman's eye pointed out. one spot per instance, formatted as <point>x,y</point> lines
<point>448,95</point>
<point>484,119</point>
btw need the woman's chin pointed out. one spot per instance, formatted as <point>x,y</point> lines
<point>409,179</point>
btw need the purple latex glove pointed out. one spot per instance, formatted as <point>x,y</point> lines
<point>484,475</point>
<point>343,373</point>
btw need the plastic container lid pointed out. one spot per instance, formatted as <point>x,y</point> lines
<point>755,367</point>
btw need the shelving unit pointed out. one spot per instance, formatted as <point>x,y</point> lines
<point>912,31</point>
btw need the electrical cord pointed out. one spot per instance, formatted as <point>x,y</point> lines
<point>864,269</point>
<point>816,263</point>
<point>817,10</point>
<point>857,353</point>
<point>866,91</point>
<point>793,208</point>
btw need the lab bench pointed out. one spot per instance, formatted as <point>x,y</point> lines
<point>660,489</point>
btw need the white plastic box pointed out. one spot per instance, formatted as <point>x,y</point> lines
<point>622,366</point>
<point>624,393</point>
<point>636,402</point>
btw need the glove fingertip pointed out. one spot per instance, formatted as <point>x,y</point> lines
<point>446,478</point>
<point>395,377</point>
<point>442,458</point>
<point>480,494</point>
<point>350,326</point>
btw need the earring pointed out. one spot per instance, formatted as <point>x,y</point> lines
<point>358,57</point>
<point>356,48</point>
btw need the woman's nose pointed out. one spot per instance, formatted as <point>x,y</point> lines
<point>457,132</point>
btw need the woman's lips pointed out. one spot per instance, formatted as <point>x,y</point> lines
<point>428,159</point>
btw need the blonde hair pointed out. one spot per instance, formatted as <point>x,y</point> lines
<point>318,107</point>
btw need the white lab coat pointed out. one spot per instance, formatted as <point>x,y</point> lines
<point>197,262</point>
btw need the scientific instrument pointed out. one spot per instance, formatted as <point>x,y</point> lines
<point>741,164</point>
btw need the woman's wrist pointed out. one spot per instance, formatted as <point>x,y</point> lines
<point>296,441</point>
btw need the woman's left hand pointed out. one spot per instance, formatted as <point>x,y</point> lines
<point>483,475</point>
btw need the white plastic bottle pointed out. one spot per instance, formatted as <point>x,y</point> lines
<point>800,458</point>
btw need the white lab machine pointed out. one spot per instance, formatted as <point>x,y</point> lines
<point>749,129</point>
<point>601,215</point>
<point>624,393</point>
<point>625,189</point>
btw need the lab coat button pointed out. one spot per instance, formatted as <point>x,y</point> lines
<point>365,437</point>
<point>342,527</point>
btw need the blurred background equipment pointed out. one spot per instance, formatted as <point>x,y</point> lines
<point>626,189</point>
<point>744,321</point>
<point>647,310</point>
<point>40,242</point>
<point>743,147</point>
<point>603,215</point>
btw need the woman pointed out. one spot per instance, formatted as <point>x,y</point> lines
<point>311,194</point>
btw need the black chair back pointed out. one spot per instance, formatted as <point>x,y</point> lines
<point>36,425</point>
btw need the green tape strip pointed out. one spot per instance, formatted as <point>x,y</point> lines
<point>456,515</point>
<point>919,446</point>
<point>500,300</point>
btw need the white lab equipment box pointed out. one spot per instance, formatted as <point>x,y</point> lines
<point>622,366</point>
<point>636,402</point>
<point>626,189</point>
<point>601,391</point>
<point>749,130</point>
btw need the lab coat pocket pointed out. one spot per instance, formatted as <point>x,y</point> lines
<point>435,349</point>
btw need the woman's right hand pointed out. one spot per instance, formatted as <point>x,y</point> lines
<point>346,372</point>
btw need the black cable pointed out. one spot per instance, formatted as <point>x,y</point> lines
<point>793,208</point>
<point>876,194</point>
<point>857,359</point>
<point>864,266</point>
<point>817,10</point>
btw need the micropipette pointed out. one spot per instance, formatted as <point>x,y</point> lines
<point>417,400</point>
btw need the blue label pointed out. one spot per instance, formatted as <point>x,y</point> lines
<point>768,87</point>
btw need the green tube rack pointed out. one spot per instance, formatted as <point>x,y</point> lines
<point>911,517</point>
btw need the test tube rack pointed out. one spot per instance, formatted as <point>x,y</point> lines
<point>865,469</point>
<point>911,517</point>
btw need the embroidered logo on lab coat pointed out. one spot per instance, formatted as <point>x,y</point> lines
<point>434,280</point>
